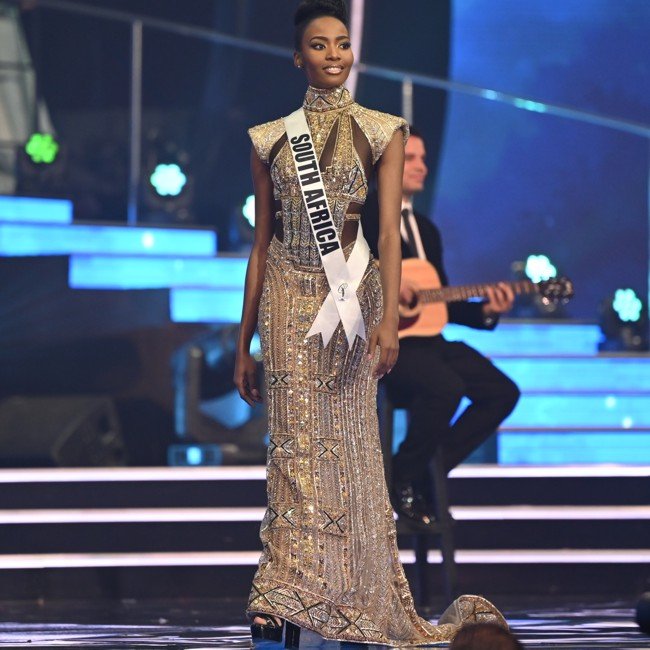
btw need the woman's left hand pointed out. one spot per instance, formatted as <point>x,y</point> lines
<point>384,336</point>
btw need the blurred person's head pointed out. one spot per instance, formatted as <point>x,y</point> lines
<point>415,166</point>
<point>484,636</point>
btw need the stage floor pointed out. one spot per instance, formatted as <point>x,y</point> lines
<point>575,624</point>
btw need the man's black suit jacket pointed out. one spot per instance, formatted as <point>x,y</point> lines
<point>463,313</point>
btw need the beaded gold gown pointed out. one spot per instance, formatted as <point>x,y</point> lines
<point>330,560</point>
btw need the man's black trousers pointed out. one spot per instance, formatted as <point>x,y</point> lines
<point>430,378</point>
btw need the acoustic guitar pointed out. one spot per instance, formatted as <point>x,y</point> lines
<point>427,314</point>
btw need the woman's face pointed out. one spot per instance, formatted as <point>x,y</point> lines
<point>325,53</point>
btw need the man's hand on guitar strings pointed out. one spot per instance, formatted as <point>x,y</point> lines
<point>500,299</point>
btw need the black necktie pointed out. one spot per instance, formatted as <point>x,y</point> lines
<point>410,236</point>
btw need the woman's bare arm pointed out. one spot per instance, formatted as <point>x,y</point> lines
<point>389,179</point>
<point>245,377</point>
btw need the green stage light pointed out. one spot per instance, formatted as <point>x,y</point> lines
<point>42,148</point>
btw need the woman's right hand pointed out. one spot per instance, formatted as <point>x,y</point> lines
<point>245,378</point>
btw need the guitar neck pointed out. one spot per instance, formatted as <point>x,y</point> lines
<point>465,292</point>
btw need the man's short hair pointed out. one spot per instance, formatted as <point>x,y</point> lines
<point>415,132</point>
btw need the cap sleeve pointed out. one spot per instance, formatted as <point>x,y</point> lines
<point>264,136</point>
<point>391,124</point>
<point>379,128</point>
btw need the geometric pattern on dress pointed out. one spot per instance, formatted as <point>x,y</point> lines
<point>281,445</point>
<point>325,383</point>
<point>317,101</point>
<point>333,522</point>
<point>328,449</point>
<point>279,379</point>
<point>357,185</point>
<point>281,516</point>
<point>330,620</point>
<point>352,623</point>
<point>301,608</point>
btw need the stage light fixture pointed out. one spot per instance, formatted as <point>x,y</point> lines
<point>627,305</point>
<point>168,179</point>
<point>539,268</point>
<point>194,455</point>
<point>42,148</point>
<point>623,322</point>
<point>249,210</point>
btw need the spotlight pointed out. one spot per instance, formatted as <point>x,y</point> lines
<point>539,267</point>
<point>554,292</point>
<point>249,210</point>
<point>627,305</point>
<point>623,322</point>
<point>42,148</point>
<point>194,455</point>
<point>168,179</point>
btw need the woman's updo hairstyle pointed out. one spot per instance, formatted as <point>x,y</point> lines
<point>309,10</point>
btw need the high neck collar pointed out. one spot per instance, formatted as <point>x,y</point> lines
<point>326,99</point>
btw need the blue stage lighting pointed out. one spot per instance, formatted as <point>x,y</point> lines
<point>23,209</point>
<point>569,411</point>
<point>117,272</point>
<point>566,373</point>
<point>623,320</point>
<point>46,239</point>
<point>249,210</point>
<point>206,305</point>
<point>168,180</point>
<point>529,338</point>
<point>528,105</point>
<point>539,267</point>
<point>568,447</point>
<point>627,305</point>
<point>194,455</point>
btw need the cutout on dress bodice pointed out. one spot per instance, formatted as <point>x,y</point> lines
<point>345,162</point>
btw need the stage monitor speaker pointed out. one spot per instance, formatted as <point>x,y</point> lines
<point>66,431</point>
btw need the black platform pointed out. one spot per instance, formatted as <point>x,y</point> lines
<point>206,624</point>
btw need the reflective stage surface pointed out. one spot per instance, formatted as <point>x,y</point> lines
<point>219,624</point>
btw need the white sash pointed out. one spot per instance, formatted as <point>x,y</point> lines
<point>343,276</point>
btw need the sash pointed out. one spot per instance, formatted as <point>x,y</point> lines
<point>343,277</point>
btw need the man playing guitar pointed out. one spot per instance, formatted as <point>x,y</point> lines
<point>432,374</point>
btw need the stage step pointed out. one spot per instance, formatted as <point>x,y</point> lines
<point>205,521</point>
<point>224,273</point>
<point>608,375</point>
<point>476,528</point>
<point>24,209</point>
<point>28,239</point>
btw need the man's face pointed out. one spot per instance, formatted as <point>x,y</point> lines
<point>415,168</point>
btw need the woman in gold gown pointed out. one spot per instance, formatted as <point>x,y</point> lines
<point>330,560</point>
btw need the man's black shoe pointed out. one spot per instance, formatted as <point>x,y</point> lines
<point>410,506</point>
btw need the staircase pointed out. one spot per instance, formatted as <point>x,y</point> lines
<point>564,511</point>
<point>194,531</point>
